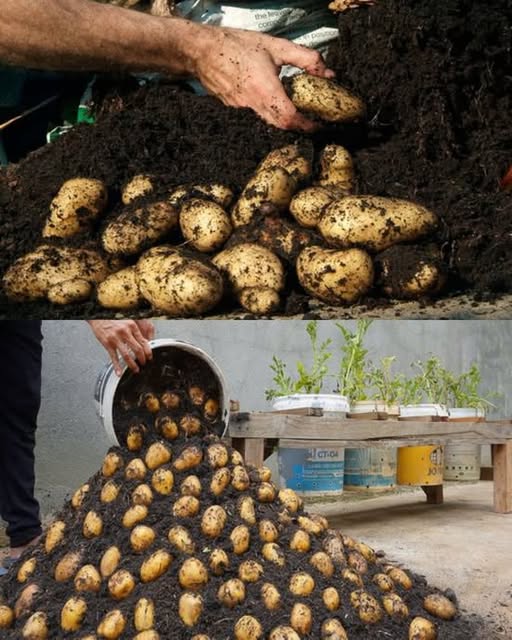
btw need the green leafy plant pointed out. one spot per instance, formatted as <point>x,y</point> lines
<point>308,380</point>
<point>464,390</point>
<point>352,374</point>
<point>386,386</point>
<point>434,380</point>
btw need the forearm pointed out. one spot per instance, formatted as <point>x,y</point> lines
<point>88,36</point>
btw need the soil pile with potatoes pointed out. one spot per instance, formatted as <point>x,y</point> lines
<point>436,81</point>
<point>177,538</point>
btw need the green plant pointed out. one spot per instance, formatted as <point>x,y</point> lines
<point>352,373</point>
<point>434,380</point>
<point>464,390</point>
<point>386,386</point>
<point>308,380</point>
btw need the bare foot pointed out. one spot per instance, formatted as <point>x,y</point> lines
<point>16,552</point>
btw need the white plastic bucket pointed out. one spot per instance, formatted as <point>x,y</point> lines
<point>107,383</point>
<point>371,409</point>
<point>328,402</point>
<point>423,412</point>
<point>462,460</point>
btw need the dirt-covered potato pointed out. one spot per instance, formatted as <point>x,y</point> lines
<point>186,507</point>
<point>150,401</point>
<point>272,552</point>
<point>248,628</point>
<point>246,509</point>
<point>394,606</point>
<point>259,300</point>
<point>162,481</point>
<point>70,291</point>
<point>76,206</point>
<point>33,275</point>
<point>112,625</point>
<point>322,563</point>
<point>367,606</point>
<point>141,537</point>
<point>67,566</point>
<point>271,188</point>
<point>240,538</point>
<point>422,629</point>
<point>350,575</point>
<point>149,634</point>
<point>134,515</point>
<point>332,629</point>
<point>121,584</point>
<point>301,584</point>
<point>250,571</point>
<point>440,606</point>
<point>283,633</point>
<point>205,225</point>
<point>399,576</point>
<point>213,521</point>
<point>142,495</point>
<point>135,470</point>
<point>180,538</point>
<point>193,574</point>
<point>307,205</point>
<point>176,284</point>
<point>231,593</point>
<point>335,277</point>
<point>266,492</point>
<point>324,99</point>
<point>331,598</point>
<point>336,169</point>
<point>270,596</point>
<point>54,535</point>
<point>36,627</point>
<point>87,579</point>
<point>111,464</point>
<point>333,545</point>
<point>218,562</point>
<point>25,600</point>
<point>135,229</point>
<point>240,478</point>
<point>218,193</point>
<point>191,425</point>
<point>155,566</point>
<point>188,459</point>
<point>78,497</point>
<point>357,561</point>
<point>157,455</point>
<point>167,427</point>
<point>190,608</point>
<point>26,570</point>
<point>6,616</point>
<point>144,614</point>
<point>110,561</point>
<point>383,581</point>
<point>191,486</point>
<point>217,455</point>
<point>120,290</point>
<point>300,541</point>
<point>301,618</point>
<point>140,185</point>
<point>268,531</point>
<point>375,223</point>
<point>290,499</point>
<point>220,481</point>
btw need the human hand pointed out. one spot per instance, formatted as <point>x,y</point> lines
<point>339,6</point>
<point>128,339</point>
<point>242,69</point>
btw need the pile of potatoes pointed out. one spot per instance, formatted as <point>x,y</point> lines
<point>177,538</point>
<point>183,250</point>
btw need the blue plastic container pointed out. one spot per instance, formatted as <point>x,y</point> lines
<point>372,468</point>
<point>311,471</point>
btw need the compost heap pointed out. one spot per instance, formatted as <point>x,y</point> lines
<point>176,537</point>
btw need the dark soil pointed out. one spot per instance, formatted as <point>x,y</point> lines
<point>216,620</point>
<point>436,80</point>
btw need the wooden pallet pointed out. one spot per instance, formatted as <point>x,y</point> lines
<point>249,431</point>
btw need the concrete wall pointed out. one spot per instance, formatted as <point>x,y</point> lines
<point>71,441</point>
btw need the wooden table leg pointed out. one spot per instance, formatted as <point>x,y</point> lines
<point>502,456</point>
<point>251,449</point>
<point>434,493</point>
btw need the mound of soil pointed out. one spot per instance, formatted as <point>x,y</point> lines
<point>216,621</point>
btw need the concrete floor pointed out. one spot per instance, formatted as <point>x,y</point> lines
<point>462,544</point>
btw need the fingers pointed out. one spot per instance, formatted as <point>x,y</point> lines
<point>124,338</point>
<point>303,57</point>
<point>147,328</point>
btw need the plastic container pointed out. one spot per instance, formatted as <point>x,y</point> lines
<point>108,382</point>
<point>462,461</point>
<point>423,412</point>
<point>310,468</point>
<point>368,409</point>
<point>371,469</point>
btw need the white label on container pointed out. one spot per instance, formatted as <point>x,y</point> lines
<point>259,19</point>
<point>325,455</point>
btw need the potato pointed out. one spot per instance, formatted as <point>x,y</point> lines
<point>367,606</point>
<point>246,509</point>
<point>189,458</point>
<point>36,627</point>
<point>112,463</point>
<point>319,520</point>
<point>281,236</point>
<point>231,593</point>
<point>290,500</point>
<point>259,300</point>
<point>170,399</point>
<point>25,600</point>
<point>87,578</point>
<point>70,291</point>
<point>205,225</point>
<point>141,538</point>
<point>76,206</point>
<point>374,222</point>
<point>240,478</point>
<point>301,584</point>
<point>191,425</point>
<point>325,99</point>
<point>138,186</point>
<point>26,570</point>
<point>260,474</point>
<point>395,606</point>
<point>383,581</point>
<point>218,193</point>
<point>149,634</point>
<point>121,584</point>
<point>110,561</point>
<point>157,455</point>
<point>220,480</point>
<point>211,409</point>
<point>292,159</point>
<point>332,629</point>
<point>240,538</point>
<point>310,525</point>
<point>357,562</point>
<point>196,394</point>
<point>352,576</point>
<point>142,495</point>
<point>440,606</point>
<point>155,566</point>
<point>135,470</point>
<point>67,566</point>
<point>399,577</point>
<point>6,616</point>
<point>268,531</point>
<point>54,535</point>
<point>136,228</point>
<point>300,541</point>
<point>283,633</point>
<point>331,598</point>
<point>134,515</point>
<point>162,481</point>
<point>72,614</point>
<point>112,625</point>
<point>177,285</point>
<point>335,277</point>
<point>213,521</point>
<point>34,274</point>
<point>180,538</point>
<point>248,628</point>
<point>167,426</point>
<point>273,186</point>
<point>120,290</point>
<point>307,205</point>
<point>366,551</point>
<point>79,496</point>
<point>301,618</point>
<point>217,455</point>
<point>135,437</point>
<point>322,563</point>
<point>422,629</point>
<point>191,486</point>
<point>336,169</point>
<point>186,507</point>
<point>218,562</point>
<point>190,608</point>
<point>144,614</point>
<point>273,553</point>
<point>250,571</point>
<point>150,401</point>
<point>270,596</point>
<point>237,458</point>
<point>333,545</point>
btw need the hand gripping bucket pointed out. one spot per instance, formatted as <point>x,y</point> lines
<point>165,351</point>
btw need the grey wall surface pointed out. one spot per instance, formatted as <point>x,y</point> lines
<point>71,440</point>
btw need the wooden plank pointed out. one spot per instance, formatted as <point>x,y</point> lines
<point>503,477</point>
<point>251,449</point>
<point>389,443</point>
<point>434,493</point>
<point>281,425</point>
